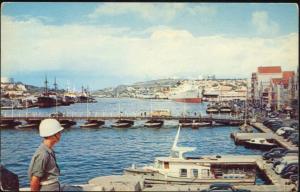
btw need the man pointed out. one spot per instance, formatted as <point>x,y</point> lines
<point>43,170</point>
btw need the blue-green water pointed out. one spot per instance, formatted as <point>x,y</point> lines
<point>83,154</point>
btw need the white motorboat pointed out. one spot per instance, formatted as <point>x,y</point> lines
<point>123,123</point>
<point>154,123</point>
<point>195,170</point>
<point>259,143</point>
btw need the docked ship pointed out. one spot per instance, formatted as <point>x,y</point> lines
<point>187,96</point>
<point>195,170</point>
<point>47,99</point>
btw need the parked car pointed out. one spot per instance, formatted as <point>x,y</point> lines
<point>290,170</point>
<point>294,178</point>
<point>295,141</point>
<point>272,152</point>
<point>268,121</point>
<point>282,130</point>
<point>294,125</point>
<point>287,133</point>
<point>223,187</point>
<point>292,136</point>
<point>285,167</point>
<point>278,153</point>
<point>284,160</point>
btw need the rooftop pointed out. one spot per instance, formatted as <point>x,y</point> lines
<point>269,69</point>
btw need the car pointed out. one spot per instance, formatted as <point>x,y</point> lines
<point>282,130</point>
<point>293,136</point>
<point>294,125</point>
<point>286,167</point>
<point>284,160</point>
<point>287,133</point>
<point>294,178</point>
<point>290,170</point>
<point>224,187</point>
<point>295,141</point>
<point>272,152</point>
<point>279,153</point>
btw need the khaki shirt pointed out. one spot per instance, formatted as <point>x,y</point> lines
<point>43,164</point>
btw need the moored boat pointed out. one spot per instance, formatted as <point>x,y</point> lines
<point>155,123</point>
<point>195,170</point>
<point>92,124</point>
<point>28,126</point>
<point>185,122</point>
<point>123,123</point>
<point>65,123</point>
<point>259,143</point>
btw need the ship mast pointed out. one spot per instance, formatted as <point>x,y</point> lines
<point>46,85</point>
<point>55,89</point>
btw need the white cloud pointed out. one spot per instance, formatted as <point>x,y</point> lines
<point>152,11</point>
<point>96,50</point>
<point>265,26</point>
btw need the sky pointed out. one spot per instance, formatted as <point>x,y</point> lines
<point>107,44</point>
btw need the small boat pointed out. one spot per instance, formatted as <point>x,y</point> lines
<point>154,123</point>
<point>197,124</point>
<point>259,143</point>
<point>179,169</point>
<point>92,124</point>
<point>122,123</point>
<point>28,126</point>
<point>185,122</point>
<point>65,123</point>
<point>9,124</point>
<point>225,109</point>
<point>212,109</point>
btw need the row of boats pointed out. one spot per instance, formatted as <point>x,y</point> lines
<point>95,123</point>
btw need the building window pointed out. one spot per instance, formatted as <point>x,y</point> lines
<point>183,173</point>
<point>195,172</point>
<point>166,165</point>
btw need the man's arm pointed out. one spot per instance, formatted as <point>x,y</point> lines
<point>35,183</point>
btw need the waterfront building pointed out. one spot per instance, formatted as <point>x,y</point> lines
<point>273,88</point>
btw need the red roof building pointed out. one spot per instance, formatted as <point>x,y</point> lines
<point>288,75</point>
<point>269,69</point>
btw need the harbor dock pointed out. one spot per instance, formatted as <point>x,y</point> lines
<point>266,134</point>
<point>137,183</point>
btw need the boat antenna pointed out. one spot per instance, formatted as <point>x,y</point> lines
<point>176,138</point>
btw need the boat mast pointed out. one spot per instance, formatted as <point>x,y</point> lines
<point>46,85</point>
<point>55,90</point>
<point>176,138</point>
<point>87,103</point>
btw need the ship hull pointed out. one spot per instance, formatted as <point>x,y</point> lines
<point>188,100</point>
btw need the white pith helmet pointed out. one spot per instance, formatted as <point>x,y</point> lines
<point>49,127</point>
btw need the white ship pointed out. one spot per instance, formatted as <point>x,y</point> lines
<point>187,94</point>
<point>183,170</point>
